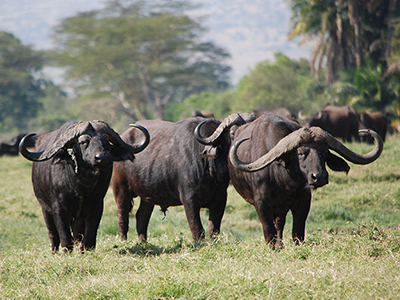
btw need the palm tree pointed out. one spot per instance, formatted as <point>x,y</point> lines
<point>346,33</point>
<point>326,23</point>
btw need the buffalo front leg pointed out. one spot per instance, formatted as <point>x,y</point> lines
<point>279,223</point>
<point>92,221</point>
<point>192,210</point>
<point>78,230</point>
<point>216,212</point>
<point>143,215</point>
<point>61,220</point>
<point>267,222</point>
<point>300,213</point>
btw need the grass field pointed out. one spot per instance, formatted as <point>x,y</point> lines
<point>352,248</point>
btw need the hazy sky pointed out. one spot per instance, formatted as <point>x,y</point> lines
<point>252,31</point>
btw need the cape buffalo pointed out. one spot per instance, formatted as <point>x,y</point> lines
<point>290,162</point>
<point>174,170</point>
<point>339,121</point>
<point>280,111</point>
<point>11,147</point>
<point>375,121</point>
<point>202,114</point>
<point>71,172</point>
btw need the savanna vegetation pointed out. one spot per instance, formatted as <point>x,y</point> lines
<point>132,60</point>
<point>352,247</point>
<point>135,59</point>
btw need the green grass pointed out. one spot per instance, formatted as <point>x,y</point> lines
<point>352,248</point>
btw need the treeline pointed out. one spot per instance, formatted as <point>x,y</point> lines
<point>135,59</point>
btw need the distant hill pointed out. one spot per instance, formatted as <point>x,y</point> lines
<point>252,31</point>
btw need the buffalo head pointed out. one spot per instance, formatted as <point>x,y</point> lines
<point>311,146</point>
<point>92,143</point>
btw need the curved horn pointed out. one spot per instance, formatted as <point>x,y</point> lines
<point>337,146</point>
<point>300,115</point>
<point>319,116</point>
<point>71,132</point>
<point>287,144</point>
<point>234,119</point>
<point>139,148</point>
<point>116,139</point>
<point>32,156</point>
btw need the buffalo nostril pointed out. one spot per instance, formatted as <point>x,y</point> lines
<point>102,156</point>
<point>318,176</point>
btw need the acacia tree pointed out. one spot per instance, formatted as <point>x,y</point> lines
<point>20,88</point>
<point>144,55</point>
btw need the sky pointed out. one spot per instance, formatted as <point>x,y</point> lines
<point>251,31</point>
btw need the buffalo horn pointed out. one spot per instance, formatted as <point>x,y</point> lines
<point>138,148</point>
<point>287,144</point>
<point>233,119</point>
<point>337,146</point>
<point>74,131</point>
<point>305,136</point>
<point>116,139</point>
<point>33,156</point>
<point>300,115</point>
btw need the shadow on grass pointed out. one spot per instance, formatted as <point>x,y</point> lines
<point>143,249</point>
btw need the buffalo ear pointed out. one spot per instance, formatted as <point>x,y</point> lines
<point>210,152</point>
<point>121,153</point>
<point>336,163</point>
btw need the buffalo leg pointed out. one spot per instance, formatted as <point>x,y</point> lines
<point>300,213</point>
<point>78,230</point>
<point>51,228</point>
<point>279,223</point>
<point>91,225</point>
<point>267,222</point>
<point>192,210</point>
<point>143,215</point>
<point>124,204</point>
<point>216,212</point>
<point>62,223</point>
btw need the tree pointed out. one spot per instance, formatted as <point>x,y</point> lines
<point>319,20</point>
<point>20,86</point>
<point>272,85</point>
<point>145,55</point>
<point>217,103</point>
<point>347,33</point>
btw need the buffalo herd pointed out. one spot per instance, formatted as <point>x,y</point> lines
<point>271,160</point>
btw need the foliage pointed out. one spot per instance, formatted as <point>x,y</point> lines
<point>282,83</point>
<point>219,104</point>
<point>352,247</point>
<point>20,85</point>
<point>347,33</point>
<point>272,85</point>
<point>146,56</point>
<point>54,110</point>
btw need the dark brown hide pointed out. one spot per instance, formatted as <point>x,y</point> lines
<point>341,122</point>
<point>280,111</point>
<point>173,170</point>
<point>71,173</point>
<point>292,163</point>
<point>375,121</point>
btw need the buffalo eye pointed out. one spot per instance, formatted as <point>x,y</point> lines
<point>83,141</point>
<point>302,153</point>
